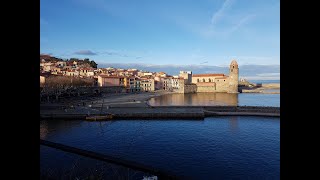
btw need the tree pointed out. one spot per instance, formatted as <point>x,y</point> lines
<point>93,64</point>
<point>86,61</point>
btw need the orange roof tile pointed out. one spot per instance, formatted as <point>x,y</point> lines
<point>224,77</point>
<point>107,76</point>
<point>206,75</point>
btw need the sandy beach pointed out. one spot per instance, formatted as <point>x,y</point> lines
<point>115,100</point>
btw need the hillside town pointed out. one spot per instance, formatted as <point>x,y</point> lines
<point>135,80</point>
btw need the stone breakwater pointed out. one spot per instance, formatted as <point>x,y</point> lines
<point>163,112</point>
<point>271,88</point>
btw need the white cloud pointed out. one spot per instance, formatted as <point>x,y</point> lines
<point>264,76</point>
<point>261,78</point>
<point>220,13</point>
<point>269,75</point>
<point>241,22</point>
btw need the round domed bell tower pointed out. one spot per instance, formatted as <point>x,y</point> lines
<point>233,77</point>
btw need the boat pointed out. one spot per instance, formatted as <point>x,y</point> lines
<point>100,117</point>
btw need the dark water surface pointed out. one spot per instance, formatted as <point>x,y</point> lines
<point>211,99</point>
<point>216,148</point>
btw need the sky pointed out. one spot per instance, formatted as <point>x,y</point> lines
<point>177,32</point>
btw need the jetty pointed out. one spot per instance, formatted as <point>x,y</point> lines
<point>156,112</point>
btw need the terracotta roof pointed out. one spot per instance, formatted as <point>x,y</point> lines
<point>106,76</point>
<point>89,69</point>
<point>206,75</point>
<point>224,77</point>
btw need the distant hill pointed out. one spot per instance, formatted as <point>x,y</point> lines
<point>80,61</point>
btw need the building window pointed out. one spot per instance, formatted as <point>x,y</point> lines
<point>224,80</point>
<point>204,80</point>
<point>209,80</point>
<point>198,80</point>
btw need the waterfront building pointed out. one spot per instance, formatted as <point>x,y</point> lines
<point>175,82</point>
<point>218,82</point>
<point>187,76</point>
<point>147,84</point>
<point>167,83</point>
<point>106,80</point>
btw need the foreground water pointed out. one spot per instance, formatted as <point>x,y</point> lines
<point>216,148</point>
<point>210,99</point>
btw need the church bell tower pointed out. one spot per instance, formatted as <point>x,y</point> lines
<point>233,77</point>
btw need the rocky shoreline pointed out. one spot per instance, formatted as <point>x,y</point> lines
<point>271,88</point>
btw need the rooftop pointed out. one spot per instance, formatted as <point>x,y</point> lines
<point>206,75</point>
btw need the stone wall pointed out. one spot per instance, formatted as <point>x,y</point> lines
<point>222,86</point>
<point>190,88</point>
<point>206,89</point>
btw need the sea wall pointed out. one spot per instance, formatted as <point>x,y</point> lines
<point>190,88</point>
<point>206,89</point>
<point>168,112</point>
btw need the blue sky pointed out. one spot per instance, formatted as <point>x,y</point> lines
<point>180,32</point>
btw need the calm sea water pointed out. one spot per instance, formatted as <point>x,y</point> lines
<point>216,148</point>
<point>224,99</point>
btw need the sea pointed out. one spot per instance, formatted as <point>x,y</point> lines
<point>230,147</point>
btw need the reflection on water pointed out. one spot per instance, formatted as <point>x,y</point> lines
<point>217,99</point>
<point>196,99</point>
<point>233,120</point>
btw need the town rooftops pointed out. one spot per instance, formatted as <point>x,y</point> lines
<point>206,75</point>
<point>224,77</point>
<point>175,77</point>
<point>107,76</point>
<point>89,69</point>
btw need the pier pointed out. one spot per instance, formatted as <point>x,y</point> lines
<point>157,112</point>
